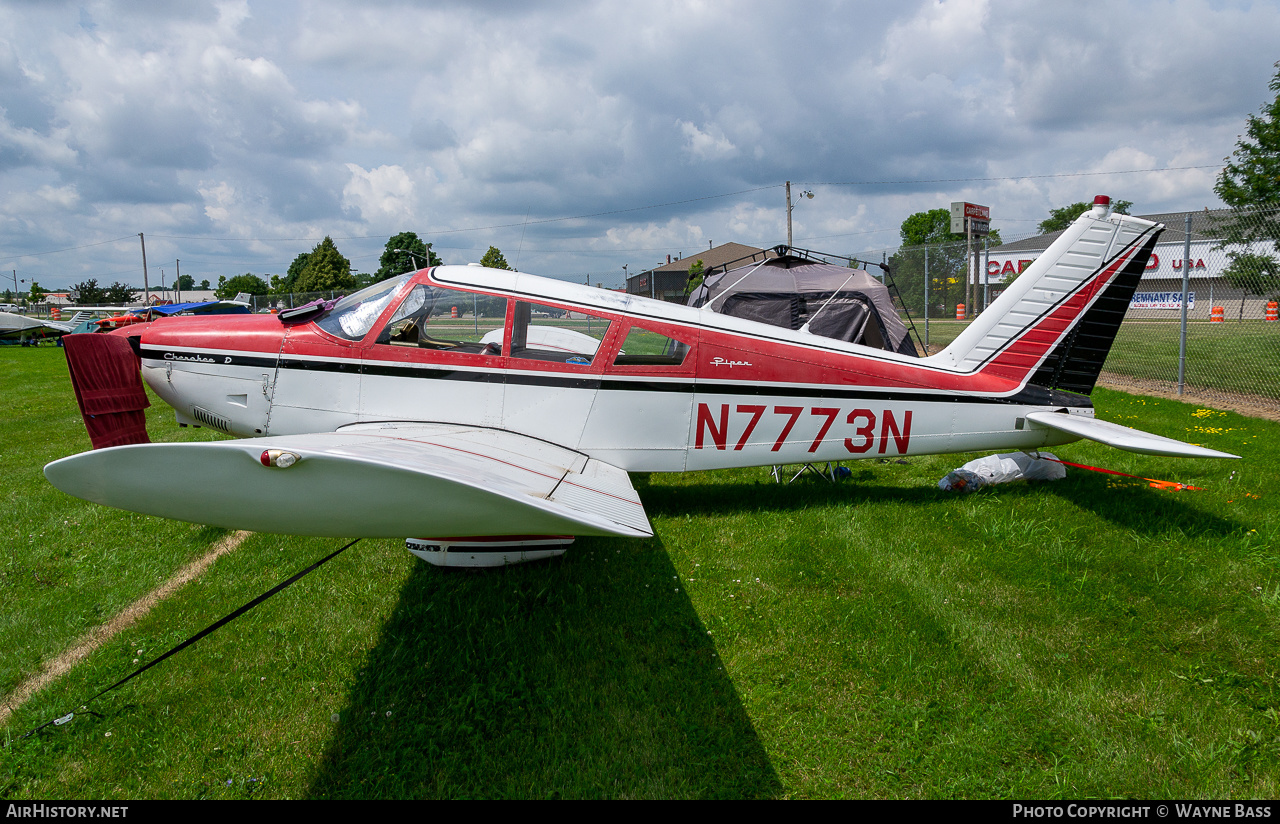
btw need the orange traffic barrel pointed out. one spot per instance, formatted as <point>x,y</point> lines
<point>959,311</point>
<point>1273,311</point>
<point>1215,314</point>
<point>56,312</point>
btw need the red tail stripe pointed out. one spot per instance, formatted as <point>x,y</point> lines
<point>1025,353</point>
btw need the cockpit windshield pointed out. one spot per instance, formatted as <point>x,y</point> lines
<point>353,316</point>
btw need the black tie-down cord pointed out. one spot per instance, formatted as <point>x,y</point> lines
<point>57,722</point>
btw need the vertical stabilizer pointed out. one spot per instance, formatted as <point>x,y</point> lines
<point>1054,325</point>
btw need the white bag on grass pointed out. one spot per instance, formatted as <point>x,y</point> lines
<point>1002,469</point>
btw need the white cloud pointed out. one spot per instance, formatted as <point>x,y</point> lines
<point>701,145</point>
<point>674,234</point>
<point>383,195</point>
<point>273,119</point>
<point>940,38</point>
<point>219,201</point>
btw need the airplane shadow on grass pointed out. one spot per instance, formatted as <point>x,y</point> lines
<point>587,676</point>
<point>1146,511</point>
<point>1133,505</point>
<point>592,675</point>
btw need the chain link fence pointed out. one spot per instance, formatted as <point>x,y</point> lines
<point>1226,352</point>
<point>288,300</point>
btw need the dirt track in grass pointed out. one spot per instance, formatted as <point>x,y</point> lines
<point>1255,406</point>
<point>125,619</point>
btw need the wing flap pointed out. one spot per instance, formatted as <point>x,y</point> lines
<point>387,480</point>
<point>1121,437</point>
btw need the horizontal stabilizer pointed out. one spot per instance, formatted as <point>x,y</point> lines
<point>1121,437</point>
<point>371,480</point>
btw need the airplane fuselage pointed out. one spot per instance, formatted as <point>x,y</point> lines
<point>725,392</point>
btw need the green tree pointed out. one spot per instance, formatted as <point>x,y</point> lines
<point>404,252</point>
<point>89,293</point>
<point>248,283</point>
<point>494,259</point>
<point>928,229</point>
<point>1254,273</point>
<point>697,273</point>
<point>1060,219</point>
<point>928,235</point>
<point>36,294</point>
<point>1250,185</point>
<point>286,282</point>
<point>185,283</point>
<point>204,284</point>
<point>326,269</point>
<point>118,294</point>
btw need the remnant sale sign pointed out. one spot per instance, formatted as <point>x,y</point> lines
<point>1161,300</point>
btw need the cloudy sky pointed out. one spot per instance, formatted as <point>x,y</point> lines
<point>579,137</point>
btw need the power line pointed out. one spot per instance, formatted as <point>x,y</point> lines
<point>638,209</point>
<point>435,232</point>
<point>1012,177</point>
<point>73,248</point>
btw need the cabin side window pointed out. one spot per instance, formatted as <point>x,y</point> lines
<point>645,347</point>
<point>550,333</point>
<point>432,317</point>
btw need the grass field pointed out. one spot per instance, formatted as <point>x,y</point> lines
<point>1238,357</point>
<point>873,638</point>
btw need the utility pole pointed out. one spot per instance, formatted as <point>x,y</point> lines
<point>788,214</point>
<point>146,287</point>
<point>806,193</point>
<point>177,284</point>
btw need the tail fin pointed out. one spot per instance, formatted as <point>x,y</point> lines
<point>1055,324</point>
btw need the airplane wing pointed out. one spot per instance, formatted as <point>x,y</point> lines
<point>14,326</point>
<point>387,480</point>
<point>1121,437</point>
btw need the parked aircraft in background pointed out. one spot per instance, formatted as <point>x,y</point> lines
<point>20,329</point>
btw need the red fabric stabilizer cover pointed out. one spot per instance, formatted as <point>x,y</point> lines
<point>107,377</point>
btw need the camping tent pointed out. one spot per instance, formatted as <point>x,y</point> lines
<point>791,291</point>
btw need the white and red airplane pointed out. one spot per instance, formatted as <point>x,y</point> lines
<point>378,417</point>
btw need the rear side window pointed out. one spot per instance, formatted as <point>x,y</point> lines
<point>644,347</point>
